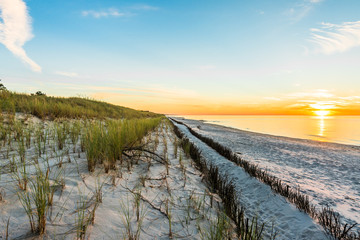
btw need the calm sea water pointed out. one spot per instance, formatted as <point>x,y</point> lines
<point>339,129</point>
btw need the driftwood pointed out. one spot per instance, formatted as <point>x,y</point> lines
<point>148,201</point>
<point>142,149</point>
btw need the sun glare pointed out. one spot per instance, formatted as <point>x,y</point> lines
<point>322,109</point>
<point>322,113</point>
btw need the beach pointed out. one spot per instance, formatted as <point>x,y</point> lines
<point>326,172</point>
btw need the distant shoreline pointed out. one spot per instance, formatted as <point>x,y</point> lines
<point>291,133</point>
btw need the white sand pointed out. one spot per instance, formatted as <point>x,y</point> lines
<point>189,221</point>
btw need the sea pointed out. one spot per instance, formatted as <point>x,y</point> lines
<point>338,129</point>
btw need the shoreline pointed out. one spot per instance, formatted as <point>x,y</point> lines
<point>323,171</point>
<point>215,124</point>
<point>309,134</point>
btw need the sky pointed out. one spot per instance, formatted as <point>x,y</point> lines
<point>187,57</point>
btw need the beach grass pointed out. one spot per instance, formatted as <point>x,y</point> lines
<point>44,107</point>
<point>110,141</point>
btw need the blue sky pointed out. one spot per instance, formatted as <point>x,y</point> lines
<point>183,56</point>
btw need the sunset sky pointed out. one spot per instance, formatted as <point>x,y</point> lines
<point>186,56</point>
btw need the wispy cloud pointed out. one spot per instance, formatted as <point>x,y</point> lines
<point>67,74</point>
<point>15,29</point>
<point>334,38</point>
<point>301,9</point>
<point>318,93</point>
<point>111,12</point>
<point>319,99</point>
<point>272,98</point>
<point>114,12</point>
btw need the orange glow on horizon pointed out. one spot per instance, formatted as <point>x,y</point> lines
<point>184,109</point>
<point>192,106</point>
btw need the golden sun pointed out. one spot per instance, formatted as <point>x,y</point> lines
<point>321,109</point>
<point>322,113</point>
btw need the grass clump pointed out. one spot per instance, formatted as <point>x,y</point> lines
<point>38,199</point>
<point>334,226</point>
<point>92,142</point>
<point>132,226</point>
<point>219,228</point>
<point>61,131</point>
<point>110,141</point>
<point>82,218</point>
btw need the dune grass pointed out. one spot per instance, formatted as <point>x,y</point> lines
<point>46,107</point>
<point>107,142</point>
<point>39,198</point>
<point>44,169</point>
<point>54,140</point>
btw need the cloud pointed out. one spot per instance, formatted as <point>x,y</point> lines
<point>15,29</point>
<point>301,9</point>
<point>318,93</point>
<point>111,12</point>
<point>319,99</point>
<point>114,12</point>
<point>334,38</point>
<point>67,74</point>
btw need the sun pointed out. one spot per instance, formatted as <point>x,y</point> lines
<point>321,109</point>
<point>322,113</point>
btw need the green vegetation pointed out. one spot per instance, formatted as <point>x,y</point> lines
<point>132,230</point>
<point>82,220</point>
<point>46,107</point>
<point>219,228</point>
<point>39,198</point>
<point>41,155</point>
<point>104,131</point>
<point>108,142</point>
